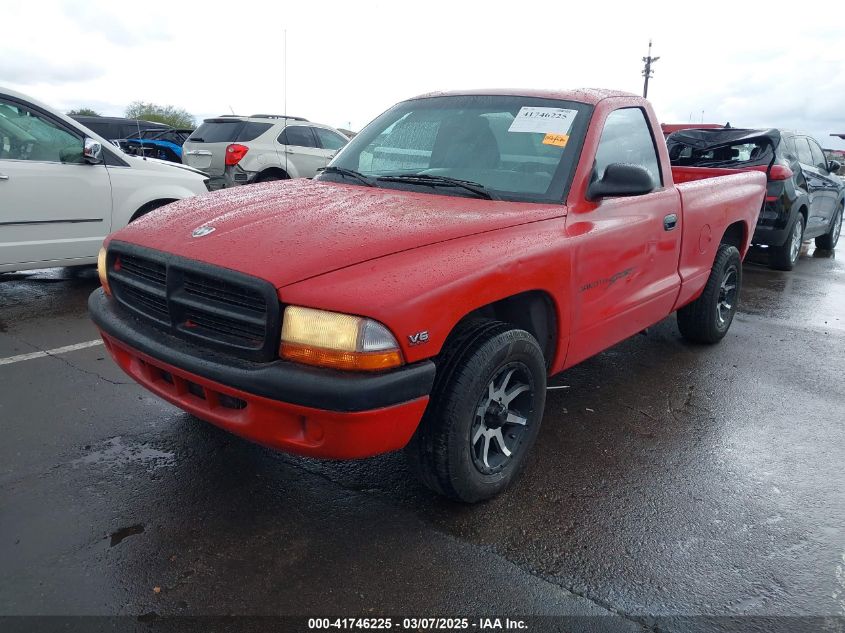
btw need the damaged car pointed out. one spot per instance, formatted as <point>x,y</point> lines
<point>804,197</point>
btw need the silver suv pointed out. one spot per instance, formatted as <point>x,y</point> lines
<point>237,150</point>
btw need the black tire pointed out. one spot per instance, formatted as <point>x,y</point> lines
<point>150,206</point>
<point>270,177</point>
<point>442,452</point>
<point>786,256</point>
<point>708,318</point>
<point>828,240</point>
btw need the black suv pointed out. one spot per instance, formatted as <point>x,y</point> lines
<point>804,198</point>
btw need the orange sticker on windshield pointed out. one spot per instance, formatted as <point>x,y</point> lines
<point>556,139</point>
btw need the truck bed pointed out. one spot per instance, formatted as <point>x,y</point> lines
<point>711,198</point>
<point>690,174</point>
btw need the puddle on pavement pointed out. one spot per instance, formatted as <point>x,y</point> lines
<point>116,453</point>
<point>125,532</point>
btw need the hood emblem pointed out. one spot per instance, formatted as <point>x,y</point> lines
<point>202,231</point>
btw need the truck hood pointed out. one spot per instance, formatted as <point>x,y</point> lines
<point>285,232</point>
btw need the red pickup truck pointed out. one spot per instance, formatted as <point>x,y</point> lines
<point>418,293</point>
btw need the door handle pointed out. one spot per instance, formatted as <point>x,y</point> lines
<point>670,222</point>
<point>4,177</point>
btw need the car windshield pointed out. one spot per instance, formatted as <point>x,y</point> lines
<point>512,148</point>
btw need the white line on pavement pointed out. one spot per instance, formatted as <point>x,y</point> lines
<point>49,352</point>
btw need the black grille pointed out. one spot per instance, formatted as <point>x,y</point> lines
<point>146,302</point>
<point>213,306</point>
<point>217,290</point>
<point>149,270</point>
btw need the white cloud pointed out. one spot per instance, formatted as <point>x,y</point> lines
<point>24,68</point>
<point>348,61</point>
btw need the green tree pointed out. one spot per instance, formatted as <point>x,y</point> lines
<point>84,112</point>
<point>171,115</point>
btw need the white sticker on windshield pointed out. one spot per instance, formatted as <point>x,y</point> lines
<point>543,120</point>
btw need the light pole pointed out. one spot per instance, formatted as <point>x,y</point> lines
<point>647,71</point>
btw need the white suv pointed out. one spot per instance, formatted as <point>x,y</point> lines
<point>63,188</point>
<point>236,150</point>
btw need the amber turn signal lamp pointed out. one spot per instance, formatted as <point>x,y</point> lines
<point>334,359</point>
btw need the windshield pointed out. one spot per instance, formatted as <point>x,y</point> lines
<point>516,148</point>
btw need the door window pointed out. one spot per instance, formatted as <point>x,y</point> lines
<point>818,155</point>
<point>26,134</point>
<point>626,138</point>
<point>802,149</point>
<point>329,139</point>
<point>298,135</point>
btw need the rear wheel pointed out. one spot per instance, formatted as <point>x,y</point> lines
<point>708,318</point>
<point>828,240</point>
<point>786,256</point>
<point>484,413</point>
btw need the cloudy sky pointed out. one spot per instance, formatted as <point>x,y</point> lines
<point>348,61</point>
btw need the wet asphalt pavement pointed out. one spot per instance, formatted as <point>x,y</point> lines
<point>669,480</point>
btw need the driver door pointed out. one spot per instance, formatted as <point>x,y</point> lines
<point>53,205</point>
<point>625,249</point>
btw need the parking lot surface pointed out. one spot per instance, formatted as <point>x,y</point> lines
<point>668,480</point>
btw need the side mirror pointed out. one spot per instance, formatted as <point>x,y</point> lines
<point>621,179</point>
<point>833,166</point>
<point>92,151</point>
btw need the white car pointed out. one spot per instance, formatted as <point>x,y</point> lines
<point>238,150</point>
<point>63,188</point>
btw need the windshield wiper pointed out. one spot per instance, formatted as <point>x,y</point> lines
<point>197,140</point>
<point>343,171</point>
<point>434,180</point>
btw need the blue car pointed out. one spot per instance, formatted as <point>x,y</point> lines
<point>163,144</point>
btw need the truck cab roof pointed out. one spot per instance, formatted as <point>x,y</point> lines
<point>590,96</point>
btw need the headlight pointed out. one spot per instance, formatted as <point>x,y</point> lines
<point>339,341</point>
<point>101,270</point>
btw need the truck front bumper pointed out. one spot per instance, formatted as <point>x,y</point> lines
<point>289,407</point>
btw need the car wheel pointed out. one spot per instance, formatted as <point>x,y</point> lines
<point>786,256</point>
<point>828,240</point>
<point>484,413</point>
<point>270,177</point>
<point>150,206</point>
<point>708,318</point>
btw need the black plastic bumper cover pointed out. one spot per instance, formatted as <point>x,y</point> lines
<point>278,380</point>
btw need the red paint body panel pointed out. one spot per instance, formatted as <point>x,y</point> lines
<point>669,128</point>
<point>291,230</point>
<point>278,425</point>
<point>421,261</point>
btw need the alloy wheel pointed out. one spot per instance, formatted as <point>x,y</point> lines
<point>795,245</point>
<point>502,416</point>
<point>726,303</point>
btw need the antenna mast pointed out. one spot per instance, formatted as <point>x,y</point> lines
<point>647,71</point>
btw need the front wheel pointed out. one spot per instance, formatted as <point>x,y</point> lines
<point>708,318</point>
<point>484,413</point>
<point>828,240</point>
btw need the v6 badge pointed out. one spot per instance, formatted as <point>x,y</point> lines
<point>418,338</point>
